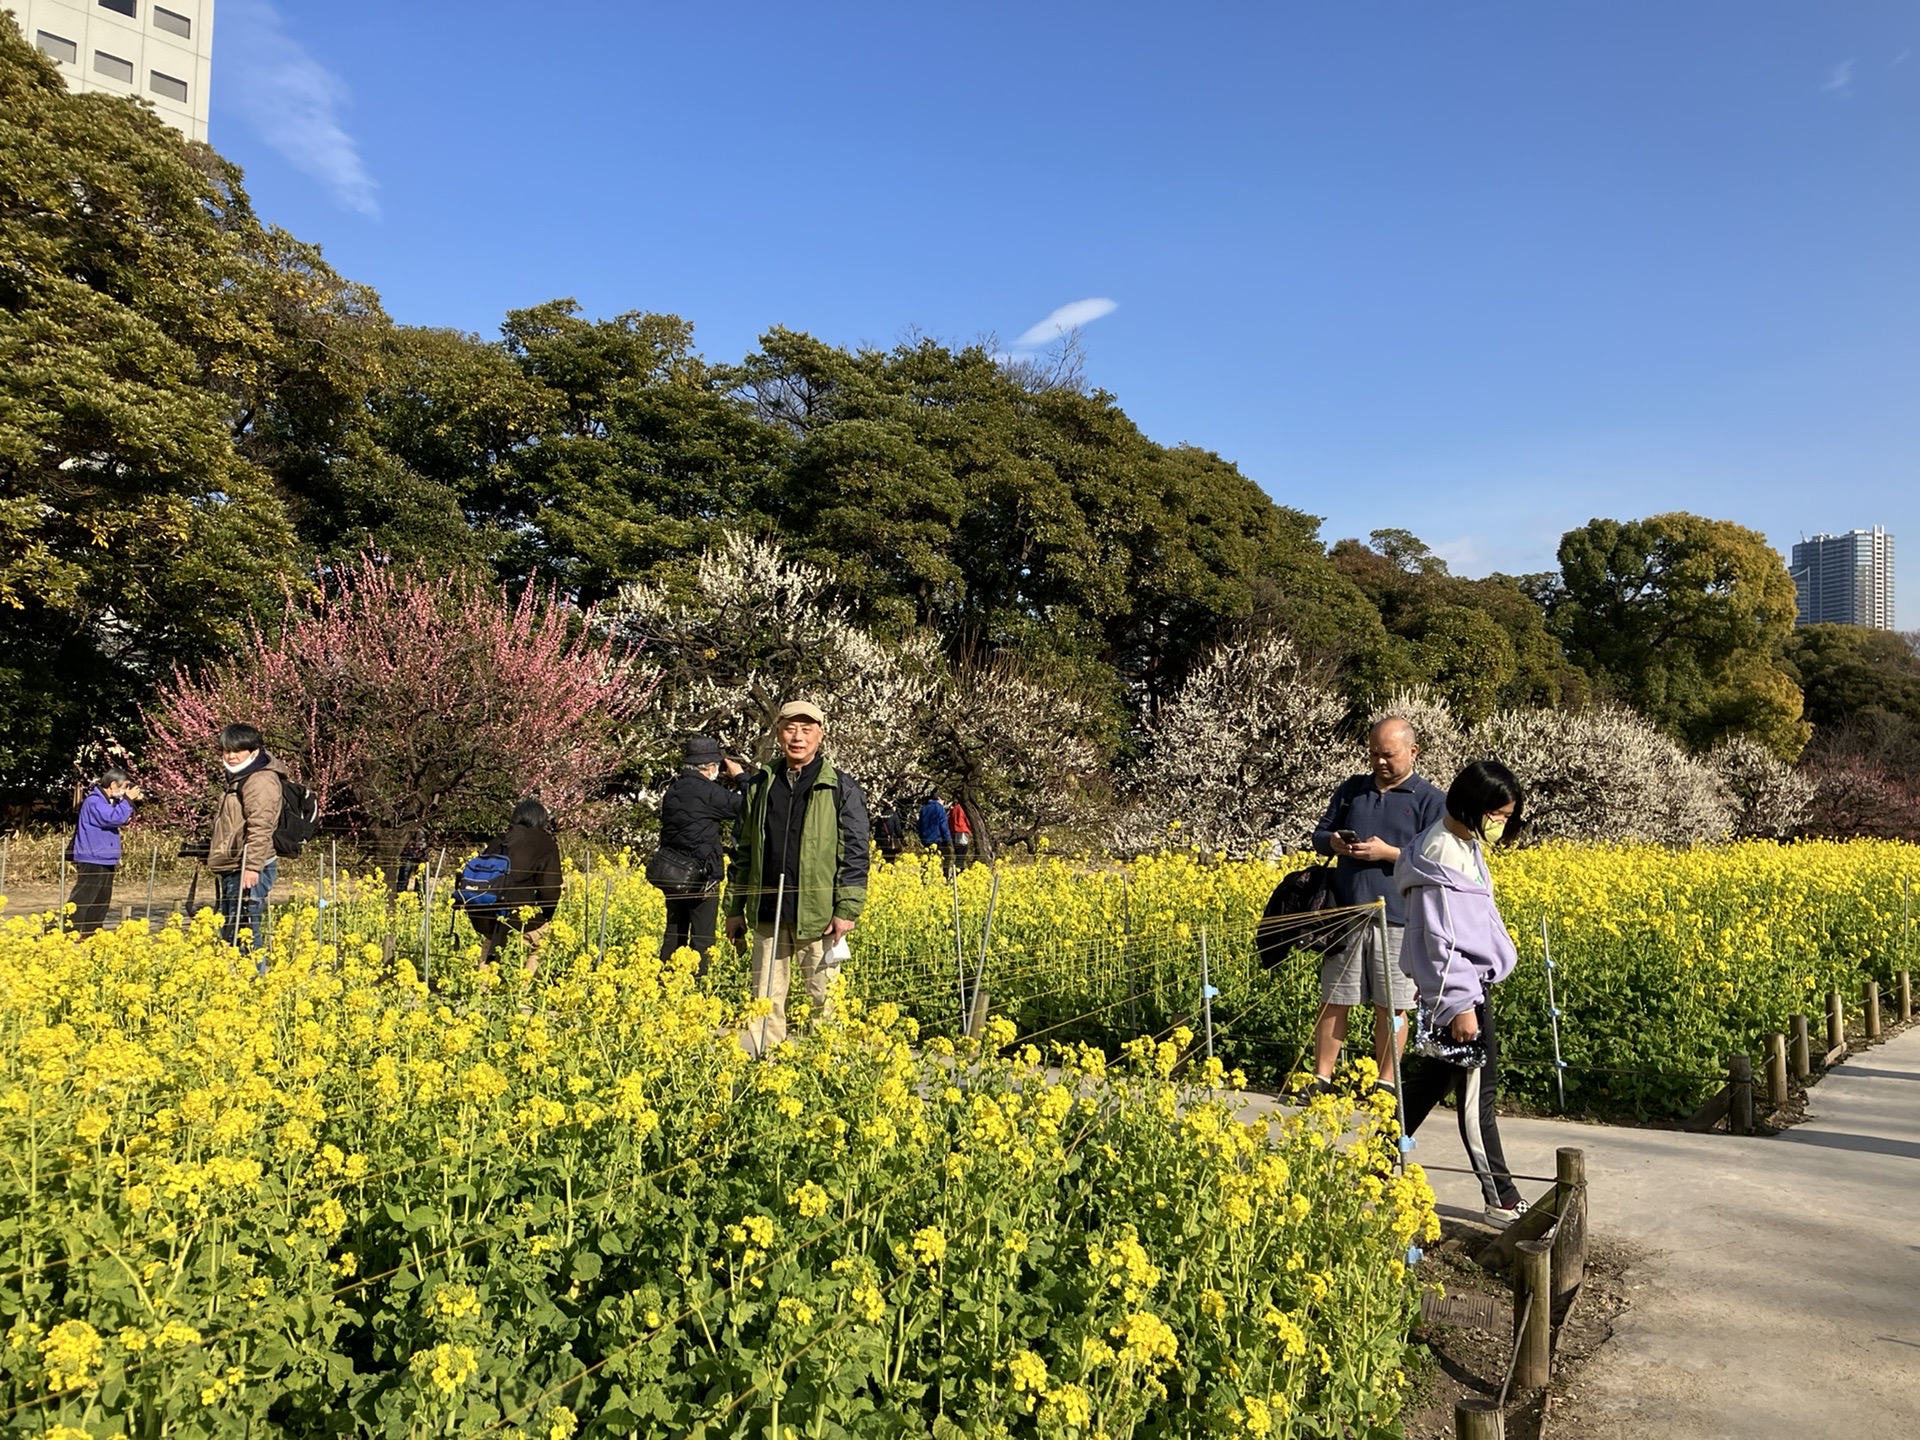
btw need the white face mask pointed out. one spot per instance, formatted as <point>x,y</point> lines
<point>235,769</point>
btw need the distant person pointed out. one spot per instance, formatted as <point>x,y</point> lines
<point>531,882</point>
<point>240,853</point>
<point>105,810</point>
<point>935,833</point>
<point>1456,949</point>
<point>962,834</point>
<point>798,880</point>
<point>704,796</point>
<point>890,832</point>
<point>413,855</point>
<point>1370,819</point>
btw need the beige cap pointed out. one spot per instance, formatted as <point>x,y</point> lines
<point>800,710</point>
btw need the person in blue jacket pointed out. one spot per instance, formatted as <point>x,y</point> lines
<point>104,812</point>
<point>935,831</point>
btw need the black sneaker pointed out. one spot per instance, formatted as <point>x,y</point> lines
<point>1310,1089</point>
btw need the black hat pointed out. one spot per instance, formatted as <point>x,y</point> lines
<point>702,750</point>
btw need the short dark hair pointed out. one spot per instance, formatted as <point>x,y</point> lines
<point>532,814</point>
<point>1480,789</point>
<point>242,737</point>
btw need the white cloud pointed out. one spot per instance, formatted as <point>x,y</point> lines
<point>1840,82</point>
<point>292,101</point>
<point>1066,319</point>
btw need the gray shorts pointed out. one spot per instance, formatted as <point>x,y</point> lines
<point>1351,972</point>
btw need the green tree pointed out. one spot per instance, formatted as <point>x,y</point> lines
<point>641,454</point>
<point>1411,587</point>
<point>1851,673</point>
<point>134,533</point>
<point>1467,658</point>
<point>1682,618</point>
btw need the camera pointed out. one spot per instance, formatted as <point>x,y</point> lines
<point>195,849</point>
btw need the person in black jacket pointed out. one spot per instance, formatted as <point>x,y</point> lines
<point>705,795</point>
<point>533,882</point>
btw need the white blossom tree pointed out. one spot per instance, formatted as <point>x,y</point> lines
<point>1246,754</point>
<point>1605,774</point>
<point>754,627</point>
<point>1770,799</point>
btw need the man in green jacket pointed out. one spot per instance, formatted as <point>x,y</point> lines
<point>798,877</point>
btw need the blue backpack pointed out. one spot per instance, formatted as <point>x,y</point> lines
<point>483,880</point>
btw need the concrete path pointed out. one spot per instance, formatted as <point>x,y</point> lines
<point>1778,1287</point>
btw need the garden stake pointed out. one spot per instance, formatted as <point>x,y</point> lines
<point>1206,992</point>
<point>62,912</point>
<point>986,939</point>
<point>1126,953</point>
<point>605,906</point>
<point>1553,1014</point>
<point>153,869</point>
<point>6,842</point>
<point>959,958</point>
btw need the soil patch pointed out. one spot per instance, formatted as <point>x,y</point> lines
<point>1460,1360</point>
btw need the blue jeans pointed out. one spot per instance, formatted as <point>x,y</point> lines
<point>246,909</point>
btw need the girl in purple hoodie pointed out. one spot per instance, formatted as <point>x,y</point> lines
<point>1455,947</point>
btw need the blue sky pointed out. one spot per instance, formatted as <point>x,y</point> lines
<point>1479,270</point>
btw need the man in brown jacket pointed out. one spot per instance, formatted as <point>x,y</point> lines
<point>241,854</point>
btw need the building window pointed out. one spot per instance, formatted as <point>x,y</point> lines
<point>168,86</point>
<point>171,23</point>
<point>55,48</point>
<point>113,67</point>
<point>120,7</point>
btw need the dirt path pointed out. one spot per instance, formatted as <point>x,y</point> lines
<point>1778,1287</point>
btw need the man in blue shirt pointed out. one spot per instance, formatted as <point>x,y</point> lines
<point>1371,818</point>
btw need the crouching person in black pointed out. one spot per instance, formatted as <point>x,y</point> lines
<point>532,881</point>
<point>687,867</point>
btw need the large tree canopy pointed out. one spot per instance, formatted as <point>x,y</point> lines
<point>1681,617</point>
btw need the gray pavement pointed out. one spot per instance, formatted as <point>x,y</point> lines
<point>1776,1290</point>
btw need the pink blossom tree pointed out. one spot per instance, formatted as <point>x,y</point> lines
<point>408,702</point>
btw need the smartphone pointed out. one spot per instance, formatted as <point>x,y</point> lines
<point>1348,837</point>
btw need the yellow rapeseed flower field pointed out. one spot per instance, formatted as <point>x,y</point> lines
<point>331,1199</point>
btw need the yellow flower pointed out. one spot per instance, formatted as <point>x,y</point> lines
<point>561,1423</point>
<point>1069,1405</point>
<point>71,1352</point>
<point>445,1367</point>
<point>810,1200</point>
<point>930,1244</point>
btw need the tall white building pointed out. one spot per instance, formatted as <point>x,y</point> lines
<point>162,52</point>
<point>1845,579</point>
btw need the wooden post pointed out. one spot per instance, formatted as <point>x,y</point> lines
<point>1740,1094</point>
<point>1477,1418</point>
<point>1906,997</point>
<point>1532,1278</point>
<point>1801,1048</point>
<point>1870,995</point>
<point>1836,1021</point>
<point>977,1025</point>
<point>1776,1070</point>
<point>1570,1235</point>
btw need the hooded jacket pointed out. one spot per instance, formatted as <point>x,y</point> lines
<point>96,838</point>
<point>247,816</point>
<point>1456,944</point>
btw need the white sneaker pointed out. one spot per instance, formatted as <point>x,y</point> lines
<point>1501,1216</point>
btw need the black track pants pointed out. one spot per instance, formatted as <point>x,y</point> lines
<point>1474,1094</point>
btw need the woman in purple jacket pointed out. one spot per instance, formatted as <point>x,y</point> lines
<point>1456,946</point>
<point>96,848</point>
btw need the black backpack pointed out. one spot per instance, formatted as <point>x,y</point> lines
<point>1287,923</point>
<point>299,818</point>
